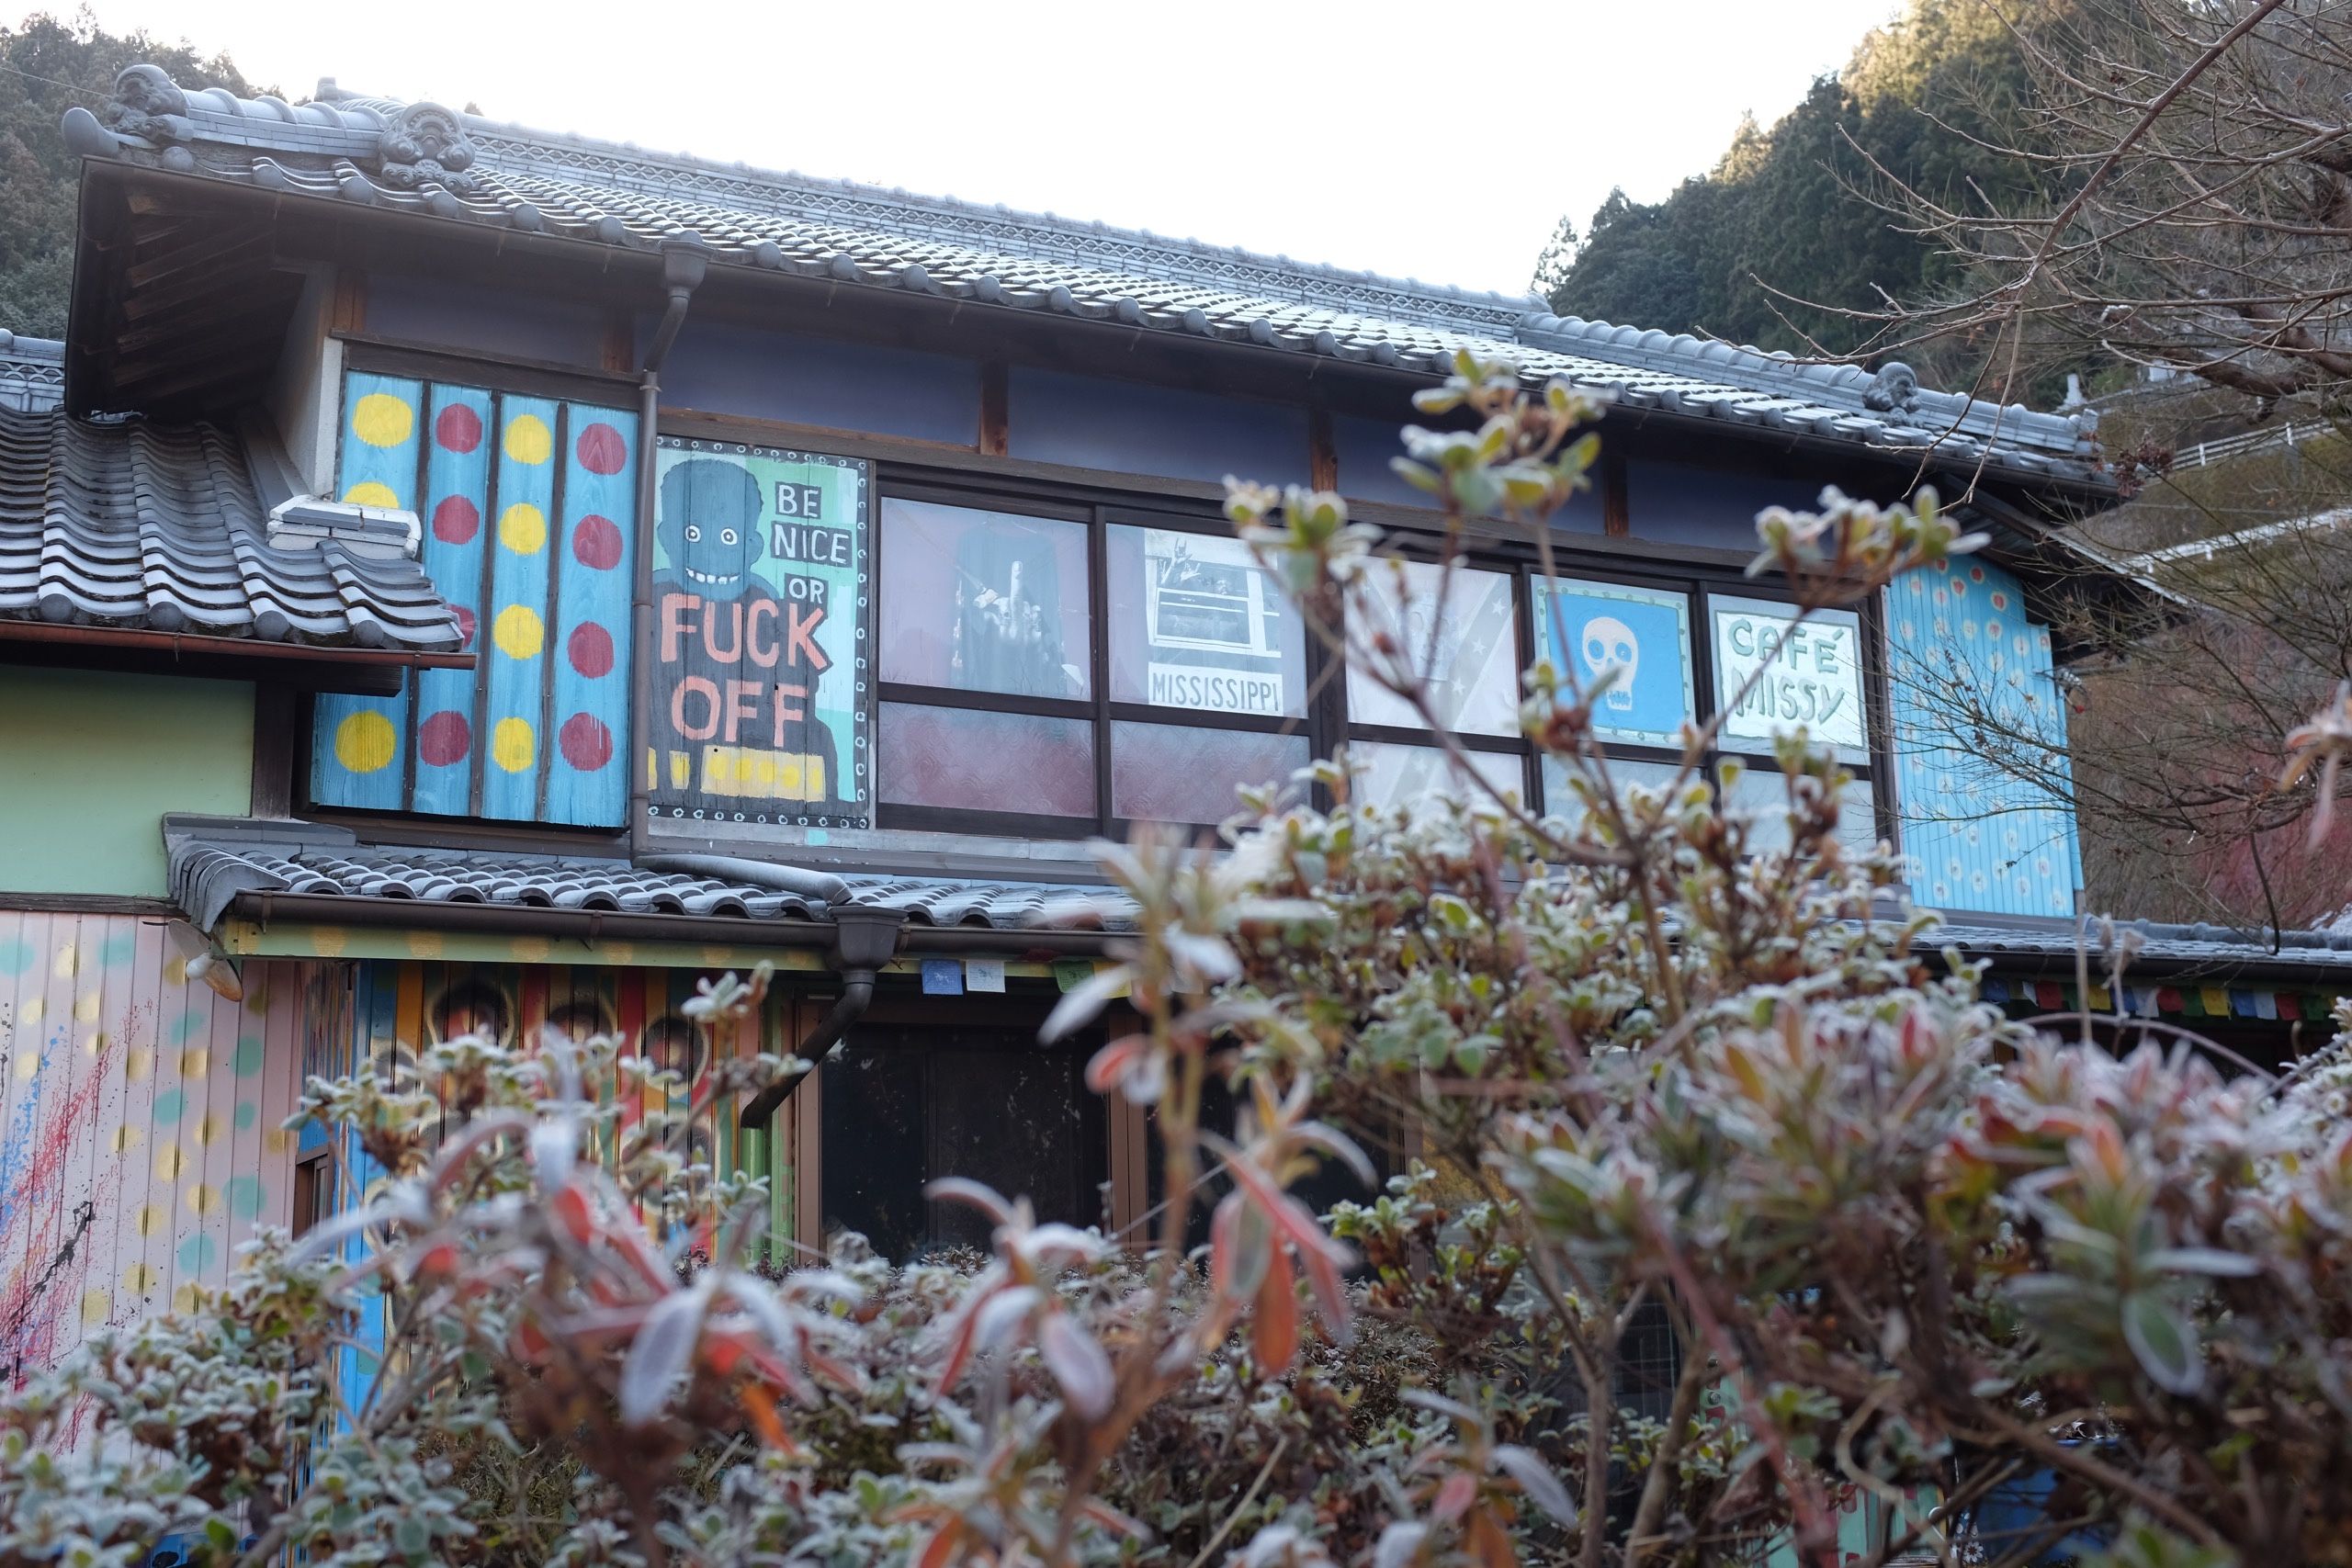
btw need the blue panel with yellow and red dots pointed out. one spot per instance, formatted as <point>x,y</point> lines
<point>530,507</point>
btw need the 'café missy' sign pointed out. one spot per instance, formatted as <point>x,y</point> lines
<point>1811,676</point>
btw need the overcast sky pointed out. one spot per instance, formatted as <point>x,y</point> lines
<point>1436,139</point>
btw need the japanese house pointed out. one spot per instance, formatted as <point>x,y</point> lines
<point>469,578</point>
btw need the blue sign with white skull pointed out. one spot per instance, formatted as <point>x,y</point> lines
<point>1588,628</point>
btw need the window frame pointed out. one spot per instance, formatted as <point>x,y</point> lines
<point>1101,710</point>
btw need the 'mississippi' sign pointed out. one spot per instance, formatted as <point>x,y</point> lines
<point>762,593</point>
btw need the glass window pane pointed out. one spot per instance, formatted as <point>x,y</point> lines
<point>1407,775</point>
<point>1626,773</point>
<point>1762,791</point>
<point>1812,675</point>
<point>987,761</point>
<point>1475,678</point>
<point>1196,623</point>
<point>985,601</point>
<point>1585,628</point>
<point>1166,772</point>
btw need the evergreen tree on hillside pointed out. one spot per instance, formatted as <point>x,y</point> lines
<point>1768,245</point>
<point>46,66</point>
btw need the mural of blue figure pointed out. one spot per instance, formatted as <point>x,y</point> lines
<point>748,659</point>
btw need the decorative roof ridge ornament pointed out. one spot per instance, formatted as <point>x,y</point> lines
<point>1894,388</point>
<point>149,105</point>
<point>427,144</point>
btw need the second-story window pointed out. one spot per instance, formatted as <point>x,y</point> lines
<point>1459,627</point>
<point>1060,669</point>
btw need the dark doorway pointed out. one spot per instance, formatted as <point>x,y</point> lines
<point>904,1105</point>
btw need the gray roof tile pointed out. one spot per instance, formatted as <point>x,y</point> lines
<point>135,526</point>
<point>32,373</point>
<point>348,148</point>
<point>213,862</point>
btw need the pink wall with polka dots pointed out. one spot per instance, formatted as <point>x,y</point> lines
<point>141,1138</point>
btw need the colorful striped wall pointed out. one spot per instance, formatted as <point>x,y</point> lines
<point>399,1005</point>
<point>140,1117</point>
<point>1985,810</point>
<point>529,508</point>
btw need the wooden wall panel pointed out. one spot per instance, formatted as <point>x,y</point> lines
<point>528,507</point>
<point>140,1138</point>
<point>1980,837</point>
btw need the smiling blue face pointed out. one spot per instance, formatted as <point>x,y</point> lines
<point>710,526</point>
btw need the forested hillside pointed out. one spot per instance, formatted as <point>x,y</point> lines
<point>1789,206</point>
<point>46,66</point>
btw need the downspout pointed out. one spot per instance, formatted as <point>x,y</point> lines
<point>683,263</point>
<point>863,941</point>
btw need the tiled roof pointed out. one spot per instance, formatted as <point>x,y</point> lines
<point>2158,947</point>
<point>137,527</point>
<point>32,373</point>
<point>466,169</point>
<point>213,862</point>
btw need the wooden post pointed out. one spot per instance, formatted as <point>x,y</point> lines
<point>350,313</point>
<point>996,408</point>
<point>1322,450</point>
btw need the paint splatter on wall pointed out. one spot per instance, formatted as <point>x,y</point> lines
<point>139,1112</point>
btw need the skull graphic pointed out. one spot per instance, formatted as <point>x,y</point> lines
<point>1608,643</point>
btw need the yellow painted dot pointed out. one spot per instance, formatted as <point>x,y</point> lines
<point>169,1163</point>
<point>136,1065</point>
<point>424,944</point>
<point>278,1141</point>
<point>528,439</point>
<point>620,952</point>
<point>519,632</point>
<point>532,949</point>
<point>208,1131</point>
<point>682,770</point>
<point>175,971</point>
<point>97,1043</point>
<point>151,1218</point>
<point>85,1008</point>
<point>365,742</point>
<point>523,528</point>
<point>328,942</point>
<point>127,1136</point>
<point>62,963</point>
<point>203,1199</point>
<point>95,1305</point>
<point>142,1276</point>
<point>28,1061</point>
<point>185,1299</point>
<point>195,1061</point>
<point>373,493</point>
<point>513,746</point>
<point>382,419</point>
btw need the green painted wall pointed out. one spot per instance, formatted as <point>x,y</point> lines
<point>90,762</point>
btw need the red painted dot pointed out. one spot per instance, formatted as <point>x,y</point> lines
<point>597,542</point>
<point>456,520</point>
<point>465,625</point>
<point>587,745</point>
<point>458,428</point>
<point>601,449</point>
<point>443,739</point>
<point>591,649</point>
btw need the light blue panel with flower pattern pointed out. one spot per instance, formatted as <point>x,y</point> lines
<point>1984,789</point>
